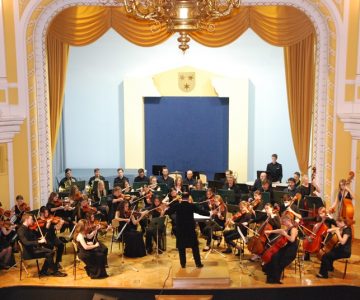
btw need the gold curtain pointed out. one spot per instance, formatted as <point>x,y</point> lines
<point>278,25</point>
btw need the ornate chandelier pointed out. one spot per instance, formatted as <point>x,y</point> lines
<point>182,16</point>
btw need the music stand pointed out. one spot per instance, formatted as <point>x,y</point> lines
<point>197,195</point>
<point>220,176</point>
<point>213,227</point>
<point>278,197</point>
<point>163,187</point>
<point>228,196</point>
<point>79,184</point>
<point>265,197</point>
<point>138,185</point>
<point>241,256</point>
<point>157,223</point>
<point>233,208</point>
<point>157,169</point>
<point>314,202</point>
<point>215,185</point>
<point>243,187</point>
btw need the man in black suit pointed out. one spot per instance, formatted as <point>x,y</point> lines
<point>165,178</point>
<point>275,169</point>
<point>33,247</point>
<point>185,229</point>
<point>96,177</point>
<point>141,176</point>
<point>120,179</point>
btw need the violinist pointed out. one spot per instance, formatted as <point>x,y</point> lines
<point>157,210</point>
<point>67,181</point>
<point>241,219</point>
<point>93,227</point>
<point>61,208</point>
<point>218,215</point>
<point>6,254</point>
<point>97,176</point>
<point>113,202</point>
<point>341,250</point>
<point>345,192</point>
<point>120,179</point>
<point>133,239</point>
<point>179,185</point>
<point>33,247</point>
<point>281,255</point>
<point>50,225</point>
<point>208,205</point>
<point>258,182</point>
<point>19,209</point>
<point>199,185</point>
<point>94,260</point>
<point>85,208</point>
<point>7,229</point>
<point>148,195</point>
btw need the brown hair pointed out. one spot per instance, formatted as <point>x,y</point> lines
<point>79,228</point>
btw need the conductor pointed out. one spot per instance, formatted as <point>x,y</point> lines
<point>185,224</point>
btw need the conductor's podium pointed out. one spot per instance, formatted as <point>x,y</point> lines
<point>213,274</point>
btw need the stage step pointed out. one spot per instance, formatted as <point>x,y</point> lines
<point>213,274</point>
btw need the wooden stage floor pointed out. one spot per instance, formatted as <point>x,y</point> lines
<point>158,273</point>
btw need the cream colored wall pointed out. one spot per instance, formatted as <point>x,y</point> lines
<point>207,84</point>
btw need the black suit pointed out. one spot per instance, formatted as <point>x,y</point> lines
<point>275,171</point>
<point>32,248</point>
<point>185,232</point>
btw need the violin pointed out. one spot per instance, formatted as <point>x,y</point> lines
<point>23,207</point>
<point>6,224</point>
<point>86,208</point>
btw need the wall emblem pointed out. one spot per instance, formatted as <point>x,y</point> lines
<point>186,81</point>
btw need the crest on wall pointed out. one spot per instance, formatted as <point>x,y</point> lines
<point>186,81</point>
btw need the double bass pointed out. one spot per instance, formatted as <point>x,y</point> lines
<point>346,210</point>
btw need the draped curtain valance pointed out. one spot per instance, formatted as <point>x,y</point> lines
<point>278,25</point>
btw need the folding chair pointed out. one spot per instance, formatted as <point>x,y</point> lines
<point>23,258</point>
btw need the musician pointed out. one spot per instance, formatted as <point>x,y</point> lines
<point>345,192</point>
<point>157,211</point>
<point>270,216</point>
<point>218,215</point>
<point>230,184</point>
<point>120,179</point>
<point>141,176</point>
<point>283,257</point>
<point>306,189</point>
<point>208,205</point>
<point>94,260</point>
<point>99,194</point>
<point>133,239</point>
<point>154,183</point>
<point>258,182</point>
<point>67,181</point>
<point>185,233</point>
<point>148,196</point>
<point>49,231</point>
<point>341,250</point>
<point>171,197</point>
<point>97,176</point>
<point>199,186</point>
<point>178,185</point>
<point>289,207</point>
<point>266,187</point>
<point>34,248</point>
<point>291,189</point>
<point>6,254</point>
<point>189,179</point>
<point>165,178</point>
<point>297,179</point>
<point>240,220</point>
<point>19,209</point>
<point>113,202</point>
<point>275,169</point>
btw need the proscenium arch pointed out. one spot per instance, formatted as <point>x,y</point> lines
<point>42,184</point>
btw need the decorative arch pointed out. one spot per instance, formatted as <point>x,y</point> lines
<point>35,21</point>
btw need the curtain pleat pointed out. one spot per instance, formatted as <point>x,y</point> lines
<point>282,26</point>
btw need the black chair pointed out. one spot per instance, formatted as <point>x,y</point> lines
<point>24,258</point>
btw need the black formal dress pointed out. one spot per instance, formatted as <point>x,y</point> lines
<point>185,232</point>
<point>231,235</point>
<point>153,232</point>
<point>95,261</point>
<point>339,251</point>
<point>281,260</point>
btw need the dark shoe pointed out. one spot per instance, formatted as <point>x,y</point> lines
<point>331,269</point>
<point>306,256</point>
<point>183,266</point>
<point>199,266</point>
<point>206,249</point>
<point>321,276</point>
<point>59,274</point>
<point>149,251</point>
<point>238,253</point>
<point>44,273</point>
<point>227,251</point>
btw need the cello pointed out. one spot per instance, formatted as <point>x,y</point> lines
<point>256,244</point>
<point>312,242</point>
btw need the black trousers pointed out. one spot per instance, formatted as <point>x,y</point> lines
<point>328,259</point>
<point>48,254</point>
<point>195,252</point>
<point>230,236</point>
<point>59,245</point>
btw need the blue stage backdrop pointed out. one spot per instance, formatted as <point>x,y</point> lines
<point>187,133</point>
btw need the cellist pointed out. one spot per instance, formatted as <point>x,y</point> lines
<point>285,255</point>
<point>341,250</point>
